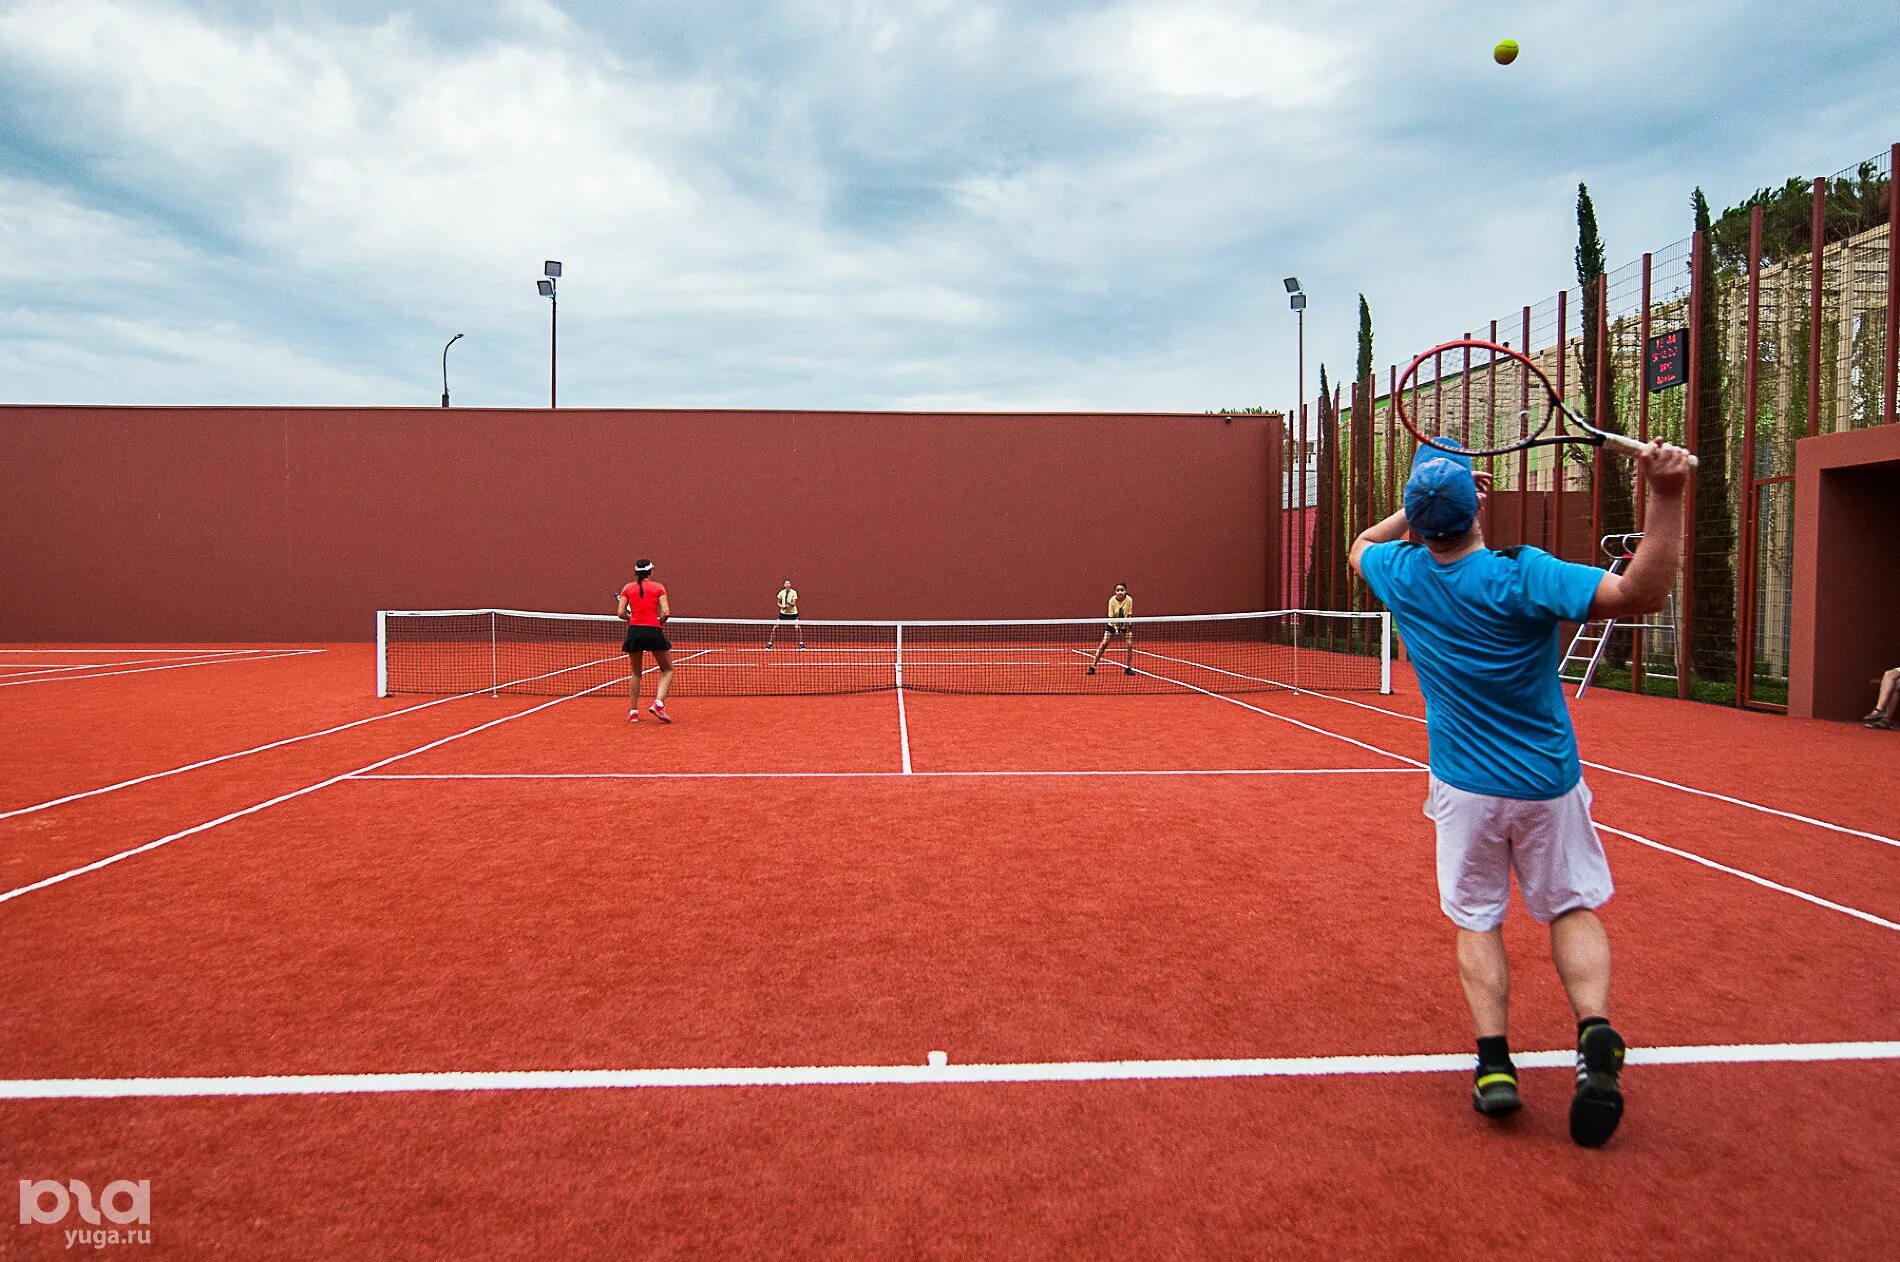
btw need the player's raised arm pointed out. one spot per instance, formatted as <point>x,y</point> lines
<point>1645,586</point>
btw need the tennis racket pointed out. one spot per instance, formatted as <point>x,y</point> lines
<point>1505,402</point>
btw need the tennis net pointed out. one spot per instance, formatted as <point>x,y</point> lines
<point>449,651</point>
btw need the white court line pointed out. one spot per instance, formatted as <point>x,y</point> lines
<point>292,740</point>
<point>1181,683</point>
<point>880,775</point>
<point>1637,775</point>
<point>891,775</point>
<point>166,840</point>
<point>49,652</point>
<point>903,731</point>
<point>906,1075</point>
<point>1763,881</point>
<point>216,661</point>
<point>13,670</point>
<point>1708,863</point>
<point>819,663</point>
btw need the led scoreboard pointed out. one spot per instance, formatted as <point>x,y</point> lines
<point>1666,362</point>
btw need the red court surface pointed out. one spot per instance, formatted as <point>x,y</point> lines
<point>670,990</point>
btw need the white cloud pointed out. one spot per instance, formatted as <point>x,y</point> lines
<point>1204,48</point>
<point>842,202</point>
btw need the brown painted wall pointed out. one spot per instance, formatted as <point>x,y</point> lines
<point>1846,616</point>
<point>295,524</point>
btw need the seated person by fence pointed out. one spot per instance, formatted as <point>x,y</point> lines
<point>1887,702</point>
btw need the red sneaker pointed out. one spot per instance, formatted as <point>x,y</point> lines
<point>633,716</point>
<point>659,712</point>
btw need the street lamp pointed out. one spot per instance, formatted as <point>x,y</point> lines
<point>551,270</point>
<point>1296,299</point>
<point>445,368</point>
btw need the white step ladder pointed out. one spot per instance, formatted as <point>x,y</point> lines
<point>1588,644</point>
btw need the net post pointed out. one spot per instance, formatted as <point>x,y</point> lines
<point>382,653</point>
<point>1385,652</point>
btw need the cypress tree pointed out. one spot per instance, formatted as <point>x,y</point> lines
<point>1619,514</point>
<point>1325,506</point>
<point>1359,515</point>
<point>1362,417</point>
<point>1712,639</point>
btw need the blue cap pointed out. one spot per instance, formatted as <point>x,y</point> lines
<point>1441,499</point>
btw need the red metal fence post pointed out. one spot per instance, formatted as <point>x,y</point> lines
<point>1641,488</point>
<point>1600,330</point>
<point>1892,367</point>
<point>1745,552</point>
<point>1464,390</point>
<point>1491,426</point>
<point>1818,236</point>
<point>1336,560</point>
<point>1557,453</point>
<point>1691,422</point>
<point>1524,456</point>
<point>1642,393</point>
<point>1391,440</point>
<point>1352,494</point>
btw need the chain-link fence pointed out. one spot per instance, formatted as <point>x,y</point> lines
<point>1780,321</point>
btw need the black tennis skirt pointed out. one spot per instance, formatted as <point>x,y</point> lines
<point>645,640</point>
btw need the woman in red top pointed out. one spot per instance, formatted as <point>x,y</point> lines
<point>643,605</point>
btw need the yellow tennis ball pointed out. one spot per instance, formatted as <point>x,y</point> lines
<point>1505,53</point>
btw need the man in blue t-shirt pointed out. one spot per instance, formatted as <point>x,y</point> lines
<point>1506,788</point>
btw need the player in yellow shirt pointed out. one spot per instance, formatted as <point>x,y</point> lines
<point>787,612</point>
<point>1121,614</point>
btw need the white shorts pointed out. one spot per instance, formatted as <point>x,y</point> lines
<point>1552,844</point>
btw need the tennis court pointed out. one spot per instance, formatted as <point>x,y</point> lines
<point>485,971</point>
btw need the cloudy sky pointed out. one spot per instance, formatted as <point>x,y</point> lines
<point>993,204</point>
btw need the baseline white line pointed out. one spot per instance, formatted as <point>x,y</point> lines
<point>1637,775</point>
<point>882,775</point>
<point>903,1075</point>
<point>166,840</point>
<point>292,740</point>
<point>1763,881</point>
<point>216,661</point>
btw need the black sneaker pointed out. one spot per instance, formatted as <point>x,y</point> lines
<point>1494,1091</point>
<point>1598,1105</point>
<point>1091,670</point>
<point>1128,670</point>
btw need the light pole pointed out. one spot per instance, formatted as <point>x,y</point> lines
<point>551,271</point>
<point>445,368</point>
<point>1296,299</point>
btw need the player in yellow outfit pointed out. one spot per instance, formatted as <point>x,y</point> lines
<point>787,612</point>
<point>1121,614</point>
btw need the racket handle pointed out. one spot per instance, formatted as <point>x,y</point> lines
<point>1623,445</point>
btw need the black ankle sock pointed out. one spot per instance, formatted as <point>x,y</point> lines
<point>1494,1053</point>
<point>1587,1022</point>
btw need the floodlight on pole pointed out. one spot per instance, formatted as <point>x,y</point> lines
<point>1296,301</point>
<point>551,271</point>
<point>445,368</point>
